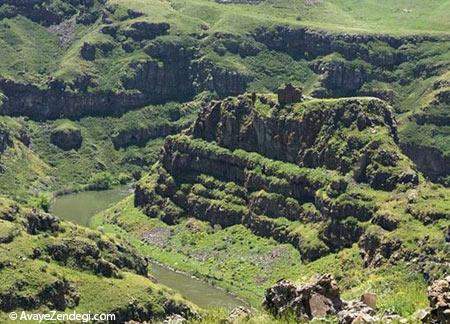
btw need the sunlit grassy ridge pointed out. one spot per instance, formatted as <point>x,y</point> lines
<point>370,16</point>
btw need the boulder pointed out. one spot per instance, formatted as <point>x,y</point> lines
<point>439,297</point>
<point>88,52</point>
<point>142,30</point>
<point>238,314</point>
<point>41,222</point>
<point>357,312</point>
<point>66,137</point>
<point>317,299</point>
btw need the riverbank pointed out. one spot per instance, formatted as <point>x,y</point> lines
<point>81,206</point>
<point>232,259</point>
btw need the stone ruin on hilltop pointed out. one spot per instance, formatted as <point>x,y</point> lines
<point>289,94</point>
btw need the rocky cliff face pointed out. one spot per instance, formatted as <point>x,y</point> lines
<point>276,171</point>
<point>430,161</point>
<point>172,73</point>
<point>5,140</point>
<point>305,136</point>
<point>50,12</point>
<point>141,136</point>
<point>53,103</point>
<point>304,42</point>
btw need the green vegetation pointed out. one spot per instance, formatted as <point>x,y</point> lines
<point>97,164</point>
<point>235,259</point>
<point>68,268</point>
<point>323,185</point>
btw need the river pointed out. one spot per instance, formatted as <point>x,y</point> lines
<point>79,207</point>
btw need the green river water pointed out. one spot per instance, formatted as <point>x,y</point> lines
<point>79,207</point>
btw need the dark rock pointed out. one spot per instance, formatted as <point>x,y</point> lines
<point>109,30</point>
<point>5,139</point>
<point>9,211</point>
<point>289,94</point>
<point>375,250</point>
<point>319,298</point>
<point>88,17</point>
<point>144,30</point>
<point>429,160</point>
<point>37,222</point>
<point>66,138</point>
<point>439,297</point>
<point>341,234</point>
<point>312,43</point>
<point>88,52</point>
<point>179,78</point>
<point>106,268</point>
<point>296,139</point>
<point>341,78</point>
<point>134,13</point>
<point>141,136</point>
<point>60,295</point>
<point>266,228</point>
<point>173,307</point>
<point>385,221</point>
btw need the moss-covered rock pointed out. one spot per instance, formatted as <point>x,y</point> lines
<point>66,136</point>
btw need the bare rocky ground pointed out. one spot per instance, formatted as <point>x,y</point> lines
<point>321,298</point>
<point>65,31</point>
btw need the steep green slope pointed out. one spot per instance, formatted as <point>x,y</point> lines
<point>33,160</point>
<point>47,265</point>
<point>236,259</point>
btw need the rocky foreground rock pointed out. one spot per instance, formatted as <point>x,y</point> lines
<point>321,298</point>
<point>439,297</point>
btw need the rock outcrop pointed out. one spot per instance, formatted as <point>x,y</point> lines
<point>318,299</point>
<point>145,30</point>
<point>321,299</point>
<point>275,171</point>
<point>429,160</point>
<point>301,42</point>
<point>439,297</point>
<point>50,12</point>
<point>66,137</point>
<point>172,74</point>
<point>288,94</point>
<point>141,136</point>
<point>5,139</point>
<point>304,136</point>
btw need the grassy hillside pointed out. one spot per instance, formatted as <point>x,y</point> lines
<point>245,264</point>
<point>47,265</point>
<point>390,17</point>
